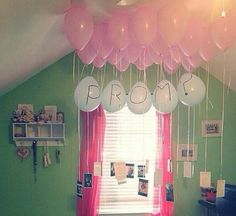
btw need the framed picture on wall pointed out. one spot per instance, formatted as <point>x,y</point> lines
<point>187,152</point>
<point>50,113</point>
<point>211,128</point>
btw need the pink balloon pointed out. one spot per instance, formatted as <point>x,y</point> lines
<point>223,32</point>
<point>140,65</point>
<point>169,62</point>
<point>115,57</point>
<point>78,26</point>
<point>118,30</point>
<point>173,20</point>
<point>100,40</point>
<point>159,45</point>
<point>208,48</point>
<point>202,9</point>
<point>195,60</point>
<point>99,62</point>
<point>186,65</point>
<point>87,55</point>
<point>122,65</point>
<point>176,54</point>
<point>157,58</point>
<point>144,24</point>
<point>145,57</point>
<point>169,70</point>
<point>98,35</point>
<point>105,49</point>
<point>132,52</point>
<point>192,40</point>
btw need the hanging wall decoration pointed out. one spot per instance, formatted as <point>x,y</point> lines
<point>143,187</point>
<point>79,189</point>
<point>88,180</point>
<point>34,149</point>
<point>23,152</point>
<point>190,91</point>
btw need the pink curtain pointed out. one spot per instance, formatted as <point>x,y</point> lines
<point>167,176</point>
<point>92,131</point>
<point>164,133</point>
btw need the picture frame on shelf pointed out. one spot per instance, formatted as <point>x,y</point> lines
<point>211,128</point>
<point>50,112</point>
<point>60,117</point>
<point>187,152</point>
<point>25,107</point>
<point>23,113</point>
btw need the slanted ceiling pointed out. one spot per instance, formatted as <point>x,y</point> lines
<point>31,38</point>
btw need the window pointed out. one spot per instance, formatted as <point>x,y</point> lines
<point>131,138</point>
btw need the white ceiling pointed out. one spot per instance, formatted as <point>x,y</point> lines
<point>31,38</point>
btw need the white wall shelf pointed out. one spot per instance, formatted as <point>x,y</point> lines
<point>50,134</point>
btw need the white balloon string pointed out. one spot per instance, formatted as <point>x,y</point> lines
<point>163,74</point>
<point>229,83</point>
<point>207,106</point>
<point>100,78</point>
<point>171,142</point>
<point>194,120</point>
<point>82,73</point>
<point>73,68</point>
<point>212,107</point>
<point>145,77</point>
<point>79,140</point>
<point>223,117</point>
<point>178,123</point>
<point>78,68</point>
<point>103,77</point>
<point>99,137</point>
<point>130,77</point>
<point>92,70</point>
<point>200,104</point>
<point>87,149</point>
<point>188,133</point>
<point>144,71</point>
<point>116,73</point>
<point>143,138</point>
<point>138,75</point>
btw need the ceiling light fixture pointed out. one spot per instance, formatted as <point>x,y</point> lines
<point>126,2</point>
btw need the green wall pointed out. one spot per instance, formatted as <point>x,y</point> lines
<point>54,192</point>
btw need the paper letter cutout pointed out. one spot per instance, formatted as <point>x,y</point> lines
<point>157,177</point>
<point>188,169</point>
<point>146,166</point>
<point>205,179</point>
<point>120,172</point>
<point>97,168</point>
<point>220,188</point>
<point>169,165</point>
